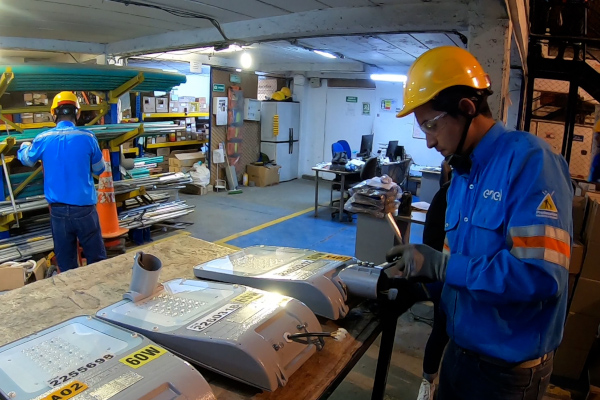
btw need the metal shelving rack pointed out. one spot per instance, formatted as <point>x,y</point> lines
<point>107,83</point>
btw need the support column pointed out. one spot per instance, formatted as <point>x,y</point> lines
<point>514,107</point>
<point>489,41</point>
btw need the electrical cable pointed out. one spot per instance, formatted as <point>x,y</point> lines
<point>176,12</point>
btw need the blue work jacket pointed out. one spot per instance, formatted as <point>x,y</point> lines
<point>69,155</point>
<point>509,233</point>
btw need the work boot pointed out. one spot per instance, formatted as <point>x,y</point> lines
<point>426,390</point>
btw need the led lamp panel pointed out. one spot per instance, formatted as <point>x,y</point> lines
<point>89,359</point>
<point>306,275</point>
<point>231,329</point>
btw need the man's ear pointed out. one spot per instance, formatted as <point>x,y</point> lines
<point>467,107</point>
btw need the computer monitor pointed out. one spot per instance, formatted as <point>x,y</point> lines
<point>366,145</point>
<point>399,152</point>
<point>391,150</point>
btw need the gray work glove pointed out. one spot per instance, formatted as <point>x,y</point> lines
<point>419,260</point>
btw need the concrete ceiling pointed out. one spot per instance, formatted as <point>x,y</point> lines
<point>371,34</point>
<point>392,53</point>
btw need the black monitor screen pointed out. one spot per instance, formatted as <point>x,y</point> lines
<point>366,145</point>
<point>391,150</point>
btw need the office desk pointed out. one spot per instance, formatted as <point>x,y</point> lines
<point>374,236</point>
<point>342,174</point>
<point>86,290</point>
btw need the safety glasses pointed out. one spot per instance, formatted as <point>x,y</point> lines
<point>429,127</point>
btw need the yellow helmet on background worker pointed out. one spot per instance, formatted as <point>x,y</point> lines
<point>278,96</point>
<point>438,69</point>
<point>65,98</point>
<point>286,92</point>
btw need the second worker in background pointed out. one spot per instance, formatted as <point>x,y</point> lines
<point>69,156</point>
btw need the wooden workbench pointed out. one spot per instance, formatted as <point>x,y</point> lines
<point>85,290</point>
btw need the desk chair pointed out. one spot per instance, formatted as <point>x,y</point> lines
<point>368,171</point>
<point>346,147</point>
<point>336,148</point>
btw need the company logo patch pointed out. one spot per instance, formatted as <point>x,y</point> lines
<point>491,194</point>
<point>547,208</point>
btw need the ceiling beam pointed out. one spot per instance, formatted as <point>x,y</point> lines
<point>311,67</point>
<point>418,16</point>
<point>59,46</point>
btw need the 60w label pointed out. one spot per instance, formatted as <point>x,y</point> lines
<point>143,356</point>
<point>214,317</point>
<point>59,380</point>
<point>67,392</point>
<point>247,297</point>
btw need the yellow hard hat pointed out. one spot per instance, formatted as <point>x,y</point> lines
<point>278,96</point>
<point>286,92</point>
<point>438,69</point>
<point>64,98</point>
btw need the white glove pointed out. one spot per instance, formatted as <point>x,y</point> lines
<point>25,144</point>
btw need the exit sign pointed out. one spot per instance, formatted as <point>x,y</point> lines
<point>351,99</point>
<point>218,87</point>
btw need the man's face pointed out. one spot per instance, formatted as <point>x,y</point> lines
<point>442,132</point>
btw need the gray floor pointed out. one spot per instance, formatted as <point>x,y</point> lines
<point>219,215</point>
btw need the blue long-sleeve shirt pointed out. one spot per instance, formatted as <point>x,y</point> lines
<point>509,234</point>
<point>69,156</point>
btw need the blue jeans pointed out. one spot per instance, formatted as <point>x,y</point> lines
<point>465,376</point>
<point>70,223</point>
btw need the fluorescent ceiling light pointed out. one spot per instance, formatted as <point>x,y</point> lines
<point>389,77</point>
<point>324,54</point>
<point>238,70</point>
<point>246,60</point>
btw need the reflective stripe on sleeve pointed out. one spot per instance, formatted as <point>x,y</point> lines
<point>542,242</point>
<point>99,166</point>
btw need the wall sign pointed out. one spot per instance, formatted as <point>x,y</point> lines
<point>351,99</point>
<point>235,78</point>
<point>218,87</point>
<point>366,109</point>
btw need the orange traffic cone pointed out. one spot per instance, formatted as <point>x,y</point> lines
<point>107,208</point>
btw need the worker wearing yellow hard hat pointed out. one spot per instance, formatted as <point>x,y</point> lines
<point>69,156</point>
<point>508,235</point>
<point>66,103</point>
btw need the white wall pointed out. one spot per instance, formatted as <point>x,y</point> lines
<point>326,117</point>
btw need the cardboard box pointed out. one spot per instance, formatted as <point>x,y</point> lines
<point>42,117</point>
<point>163,151</point>
<point>162,105</point>
<point>580,331</point>
<point>194,106</point>
<point>148,104</point>
<point>190,188</point>
<point>586,299</point>
<point>11,278</point>
<point>174,106</point>
<point>179,169</point>
<point>161,139</point>
<point>27,118</point>
<point>40,99</point>
<point>572,282</point>
<point>579,205</point>
<point>263,176</point>
<point>28,97</point>
<point>577,252</point>
<point>185,159</point>
<point>569,362</point>
<point>592,223</point>
<point>201,100</point>
<point>591,263</point>
<point>187,99</point>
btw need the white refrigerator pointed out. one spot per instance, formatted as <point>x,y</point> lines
<point>279,135</point>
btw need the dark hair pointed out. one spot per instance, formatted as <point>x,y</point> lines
<point>66,112</point>
<point>448,100</point>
